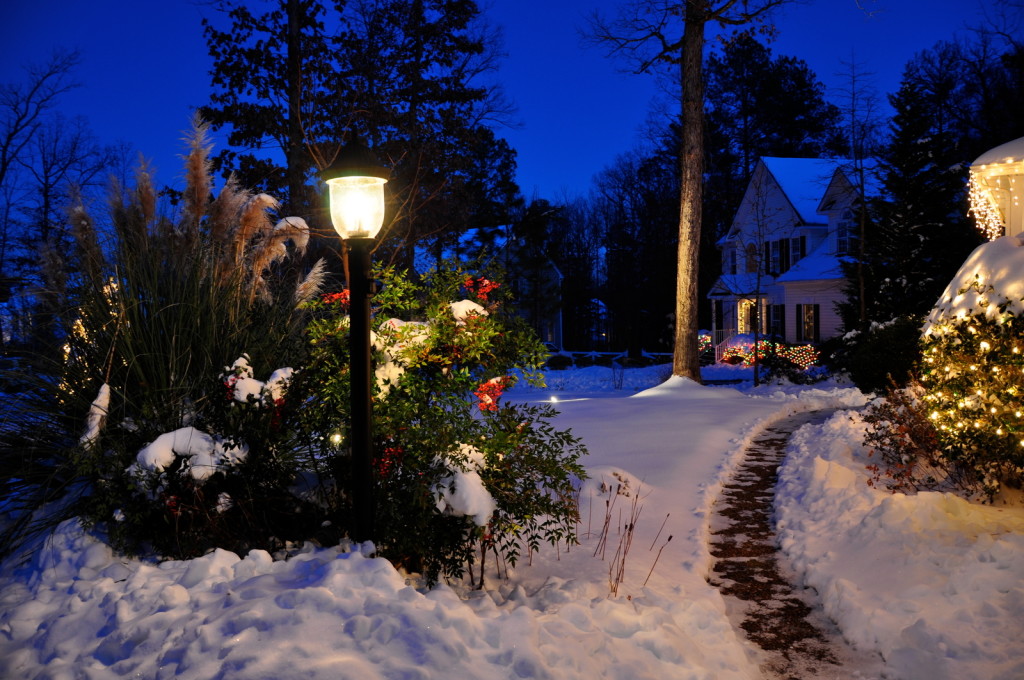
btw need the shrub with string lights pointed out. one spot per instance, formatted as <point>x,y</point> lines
<point>803,356</point>
<point>973,373</point>
<point>703,342</point>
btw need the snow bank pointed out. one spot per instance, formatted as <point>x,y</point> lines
<point>932,582</point>
<point>78,611</point>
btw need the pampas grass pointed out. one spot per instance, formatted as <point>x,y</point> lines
<point>157,318</point>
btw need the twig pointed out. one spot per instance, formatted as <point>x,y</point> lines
<point>617,570</point>
<point>656,558</point>
<point>659,532</point>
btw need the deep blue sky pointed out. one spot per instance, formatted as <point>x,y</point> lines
<point>145,68</point>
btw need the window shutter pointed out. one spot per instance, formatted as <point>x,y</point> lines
<point>816,311</point>
<point>799,323</point>
<point>784,259</point>
<point>803,246</point>
<point>766,262</point>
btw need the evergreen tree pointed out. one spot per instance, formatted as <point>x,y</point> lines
<point>920,233</point>
<point>274,91</point>
<point>762,105</point>
<point>759,105</point>
<point>951,106</point>
<point>404,77</point>
<point>649,32</point>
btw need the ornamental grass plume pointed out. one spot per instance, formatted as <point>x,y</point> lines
<point>152,323</point>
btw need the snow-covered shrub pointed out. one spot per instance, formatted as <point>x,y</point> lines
<point>458,470</point>
<point>159,315</point>
<point>886,352</point>
<point>972,368</point>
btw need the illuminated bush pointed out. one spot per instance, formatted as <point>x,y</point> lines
<point>703,342</point>
<point>972,372</point>
<point>803,356</point>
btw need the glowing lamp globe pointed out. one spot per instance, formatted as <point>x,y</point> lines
<point>996,188</point>
<point>356,184</point>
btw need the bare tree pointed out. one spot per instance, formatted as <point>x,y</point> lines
<point>862,121</point>
<point>62,158</point>
<point>647,32</point>
<point>23,110</point>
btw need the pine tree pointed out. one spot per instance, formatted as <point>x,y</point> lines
<point>273,90</point>
<point>763,105</point>
<point>404,77</point>
<point>758,104</point>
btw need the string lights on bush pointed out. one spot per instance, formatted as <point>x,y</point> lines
<point>803,356</point>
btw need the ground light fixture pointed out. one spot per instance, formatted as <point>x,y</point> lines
<point>355,182</point>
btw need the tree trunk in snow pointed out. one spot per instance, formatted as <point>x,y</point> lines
<point>685,361</point>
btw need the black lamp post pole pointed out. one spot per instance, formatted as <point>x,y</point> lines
<point>362,409</point>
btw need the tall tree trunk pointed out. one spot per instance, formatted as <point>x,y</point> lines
<point>293,154</point>
<point>685,360</point>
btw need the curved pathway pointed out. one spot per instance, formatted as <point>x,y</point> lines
<point>798,642</point>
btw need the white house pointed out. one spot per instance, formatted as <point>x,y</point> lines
<point>781,256</point>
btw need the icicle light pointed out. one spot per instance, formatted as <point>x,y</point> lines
<point>994,190</point>
<point>983,207</point>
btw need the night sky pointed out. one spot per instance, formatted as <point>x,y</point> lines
<point>145,68</point>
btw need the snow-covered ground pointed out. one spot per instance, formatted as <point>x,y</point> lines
<point>931,582</point>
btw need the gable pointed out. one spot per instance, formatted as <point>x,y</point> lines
<point>803,181</point>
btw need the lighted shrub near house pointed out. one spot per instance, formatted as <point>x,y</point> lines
<point>973,366</point>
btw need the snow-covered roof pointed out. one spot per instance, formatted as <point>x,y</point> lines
<point>804,181</point>
<point>1010,152</point>
<point>819,265</point>
<point>731,285</point>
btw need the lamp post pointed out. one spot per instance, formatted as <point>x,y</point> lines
<point>356,184</point>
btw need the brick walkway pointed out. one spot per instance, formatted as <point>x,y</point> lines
<point>783,620</point>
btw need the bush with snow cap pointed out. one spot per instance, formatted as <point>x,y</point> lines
<point>441,367</point>
<point>157,313</point>
<point>973,360</point>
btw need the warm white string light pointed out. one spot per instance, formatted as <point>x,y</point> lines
<point>987,216</point>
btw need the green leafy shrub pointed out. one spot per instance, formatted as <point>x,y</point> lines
<point>202,399</point>
<point>458,470</point>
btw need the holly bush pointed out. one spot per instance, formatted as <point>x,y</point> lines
<point>458,470</point>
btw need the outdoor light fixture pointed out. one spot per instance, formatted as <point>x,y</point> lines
<point>356,184</point>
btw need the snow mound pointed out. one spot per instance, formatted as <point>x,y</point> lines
<point>78,611</point>
<point>930,581</point>
<point>999,264</point>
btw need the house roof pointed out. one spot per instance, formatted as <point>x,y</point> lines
<point>1010,152</point>
<point>819,265</point>
<point>803,181</point>
<point>732,285</point>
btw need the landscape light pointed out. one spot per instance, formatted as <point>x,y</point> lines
<point>356,184</point>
